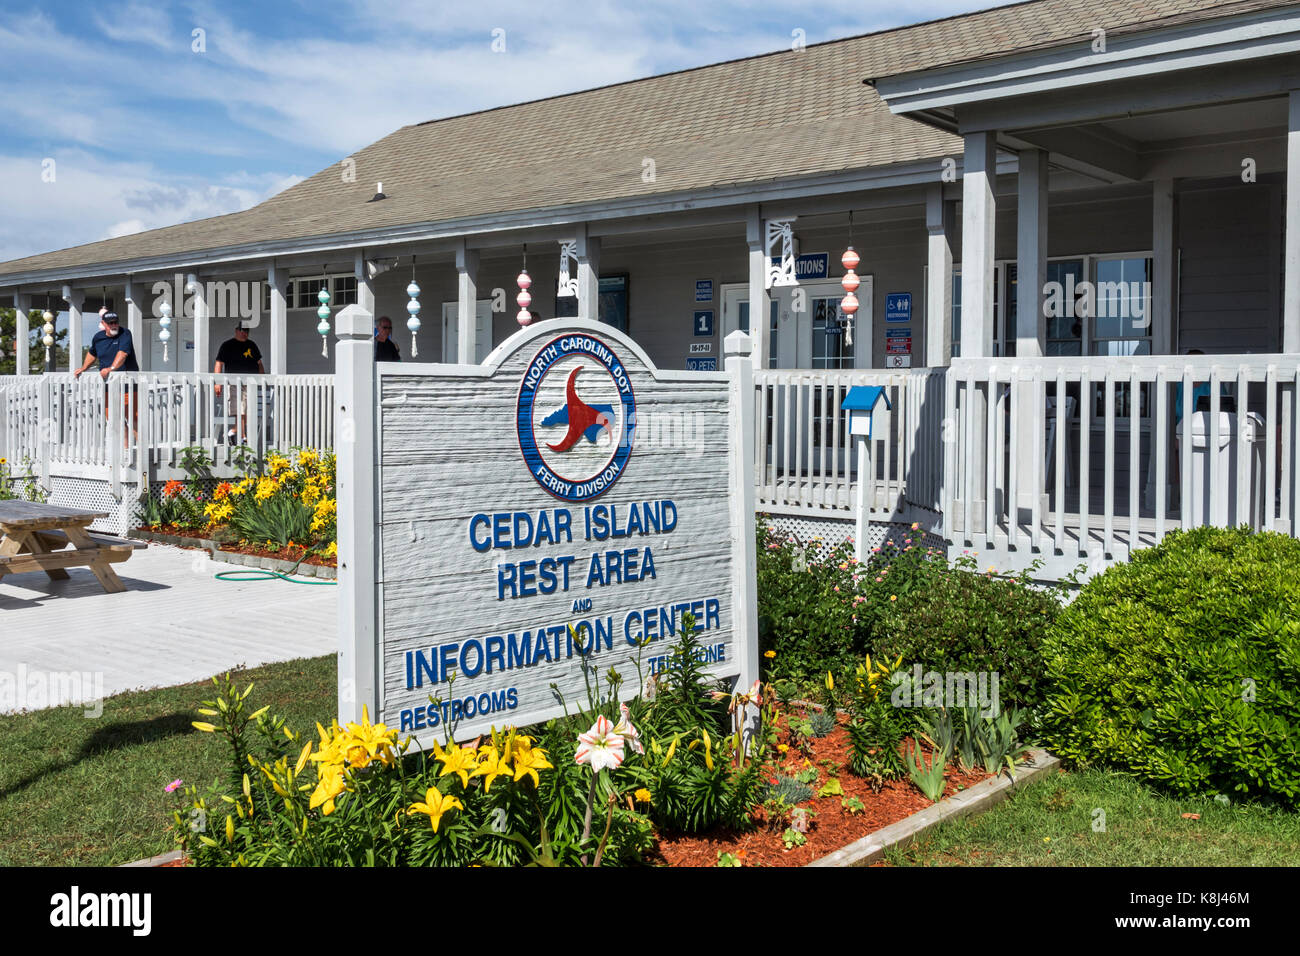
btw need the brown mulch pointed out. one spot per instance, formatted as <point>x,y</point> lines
<point>832,828</point>
<point>282,554</point>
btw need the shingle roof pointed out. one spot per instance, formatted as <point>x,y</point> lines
<point>763,118</point>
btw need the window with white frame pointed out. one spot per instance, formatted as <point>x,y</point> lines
<point>1097,305</point>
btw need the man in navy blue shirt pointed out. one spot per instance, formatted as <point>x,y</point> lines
<point>115,351</point>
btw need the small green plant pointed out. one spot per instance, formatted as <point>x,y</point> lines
<point>831,788</point>
<point>928,778</point>
<point>728,859</point>
<point>852,805</point>
<point>807,776</point>
<point>793,838</point>
<point>787,789</point>
<point>822,722</point>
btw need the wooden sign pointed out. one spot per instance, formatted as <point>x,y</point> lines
<point>555,508</point>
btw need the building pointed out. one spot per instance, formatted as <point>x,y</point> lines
<point>1133,158</point>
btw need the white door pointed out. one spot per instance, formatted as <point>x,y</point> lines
<point>451,331</point>
<point>179,357</point>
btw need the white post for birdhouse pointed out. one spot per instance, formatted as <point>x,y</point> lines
<point>861,403</point>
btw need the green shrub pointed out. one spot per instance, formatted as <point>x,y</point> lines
<point>1181,667</point>
<point>820,611</point>
<point>963,620</point>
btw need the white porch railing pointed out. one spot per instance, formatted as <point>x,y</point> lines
<point>1084,460</point>
<point>806,461</point>
<point>136,426</point>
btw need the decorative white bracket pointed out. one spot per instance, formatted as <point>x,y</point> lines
<point>783,273</point>
<point>568,284</point>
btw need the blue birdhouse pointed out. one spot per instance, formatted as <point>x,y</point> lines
<point>863,403</point>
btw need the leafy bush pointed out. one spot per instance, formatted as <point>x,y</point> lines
<point>823,613</point>
<point>25,486</point>
<point>1181,667</point>
<point>963,620</point>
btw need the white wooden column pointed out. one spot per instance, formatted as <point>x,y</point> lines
<point>1031,253</point>
<point>588,276</point>
<point>467,260</point>
<point>979,218</point>
<point>365,288</point>
<point>760,301</point>
<point>277,281</point>
<point>1164,267</point>
<point>1291,299</point>
<point>194,285</point>
<point>940,221</point>
<point>1031,323</point>
<point>135,324</point>
<point>22,331</point>
<point>354,413</point>
<point>75,298</point>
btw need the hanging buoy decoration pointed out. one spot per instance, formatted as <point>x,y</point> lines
<point>413,311</point>
<point>165,320</point>
<point>524,298</point>
<point>323,297</point>
<point>849,304</point>
<point>48,329</point>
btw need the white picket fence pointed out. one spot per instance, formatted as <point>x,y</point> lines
<point>806,462</point>
<point>137,425</point>
<point>1141,445</point>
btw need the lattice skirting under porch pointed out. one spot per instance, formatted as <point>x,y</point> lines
<point>96,494</point>
<point>820,535</point>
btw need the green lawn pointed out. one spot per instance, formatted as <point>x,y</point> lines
<point>80,791</point>
<point>1050,823</point>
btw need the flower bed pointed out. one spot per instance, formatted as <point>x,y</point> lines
<point>283,507</point>
<point>671,777</point>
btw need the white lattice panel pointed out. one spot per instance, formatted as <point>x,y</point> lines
<point>96,495</point>
<point>822,534</point>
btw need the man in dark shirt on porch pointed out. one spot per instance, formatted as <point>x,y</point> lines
<point>238,356</point>
<point>385,347</point>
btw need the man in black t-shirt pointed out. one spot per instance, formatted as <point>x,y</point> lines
<point>238,356</point>
<point>385,347</point>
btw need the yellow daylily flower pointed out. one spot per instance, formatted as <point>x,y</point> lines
<point>528,762</point>
<point>491,765</point>
<point>458,760</point>
<point>436,805</point>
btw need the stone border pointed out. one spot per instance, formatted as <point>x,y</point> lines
<point>234,557</point>
<point>981,797</point>
<point>160,860</point>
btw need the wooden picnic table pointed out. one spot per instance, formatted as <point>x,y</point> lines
<point>52,538</point>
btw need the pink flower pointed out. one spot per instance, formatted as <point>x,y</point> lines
<point>173,786</point>
<point>600,747</point>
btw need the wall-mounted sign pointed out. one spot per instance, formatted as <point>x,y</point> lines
<point>702,324</point>
<point>701,364</point>
<point>700,348</point>
<point>587,531</point>
<point>810,265</point>
<point>898,307</point>
<point>703,290</point>
<point>898,361</point>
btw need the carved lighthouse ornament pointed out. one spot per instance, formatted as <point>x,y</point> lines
<point>782,273</point>
<point>568,284</point>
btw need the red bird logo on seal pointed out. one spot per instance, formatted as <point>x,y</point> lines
<point>583,420</point>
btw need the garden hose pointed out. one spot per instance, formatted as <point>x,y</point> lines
<point>261,574</point>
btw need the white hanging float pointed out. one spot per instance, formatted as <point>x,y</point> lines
<point>413,310</point>
<point>165,323</point>
<point>323,297</point>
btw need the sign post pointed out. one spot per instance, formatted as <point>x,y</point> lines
<point>561,506</point>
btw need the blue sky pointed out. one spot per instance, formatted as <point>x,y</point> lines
<point>147,126</point>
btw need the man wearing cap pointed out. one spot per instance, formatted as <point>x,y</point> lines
<point>238,356</point>
<point>113,347</point>
<point>385,347</point>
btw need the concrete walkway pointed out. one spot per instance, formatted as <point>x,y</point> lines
<point>69,642</point>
